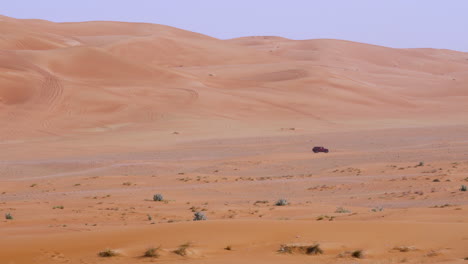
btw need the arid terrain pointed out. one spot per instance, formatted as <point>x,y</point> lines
<point>98,117</point>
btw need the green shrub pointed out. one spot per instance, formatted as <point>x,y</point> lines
<point>199,216</point>
<point>158,197</point>
<point>281,202</point>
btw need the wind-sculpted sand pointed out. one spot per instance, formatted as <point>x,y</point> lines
<point>98,117</point>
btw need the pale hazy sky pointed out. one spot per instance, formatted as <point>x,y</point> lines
<point>393,23</point>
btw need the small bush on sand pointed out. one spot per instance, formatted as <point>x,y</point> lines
<point>354,254</point>
<point>377,209</point>
<point>199,216</point>
<point>152,252</point>
<point>325,217</point>
<point>107,253</point>
<point>282,202</point>
<point>463,188</point>
<point>357,254</point>
<point>342,210</point>
<point>8,216</point>
<point>301,249</point>
<point>182,250</point>
<point>405,248</point>
<point>158,197</point>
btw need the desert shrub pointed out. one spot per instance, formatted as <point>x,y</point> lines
<point>281,202</point>
<point>377,209</point>
<point>357,254</point>
<point>421,163</point>
<point>301,249</point>
<point>8,216</point>
<point>342,210</point>
<point>158,197</point>
<point>228,248</point>
<point>58,207</point>
<point>151,252</point>
<point>405,248</point>
<point>325,217</point>
<point>182,250</point>
<point>463,188</point>
<point>199,216</point>
<point>107,253</point>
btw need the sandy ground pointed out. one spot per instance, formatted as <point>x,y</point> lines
<point>101,116</point>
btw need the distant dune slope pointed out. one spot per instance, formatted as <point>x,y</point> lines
<point>66,78</point>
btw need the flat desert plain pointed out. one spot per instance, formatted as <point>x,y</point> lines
<point>98,117</point>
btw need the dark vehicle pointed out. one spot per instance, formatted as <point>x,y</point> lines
<point>319,149</point>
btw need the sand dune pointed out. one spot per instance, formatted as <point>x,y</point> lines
<point>257,77</point>
<point>100,116</point>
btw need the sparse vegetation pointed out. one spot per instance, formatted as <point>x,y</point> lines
<point>182,250</point>
<point>158,197</point>
<point>404,248</point>
<point>150,218</point>
<point>58,207</point>
<point>421,163</point>
<point>127,183</point>
<point>282,202</point>
<point>107,253</point>
<point>357,254</point>
<point>301,249</point>
<point>432,253</point>
<point>342,210</point>
<point>228,248</point>
<point>377,209</point>
<point>325,217</point>
<point>8,216</point>
<point>353,254</point>
<point>199,216</point>
<point>33,185</point>
<point>152,252</point>
<point>463,188</point>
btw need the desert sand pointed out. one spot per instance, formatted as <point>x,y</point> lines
<point>98,117</point>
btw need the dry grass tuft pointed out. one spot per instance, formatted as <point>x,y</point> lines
<point>152,252</point>
<point>108,253</point>
<point>182,250</point>
<point>313,249</point>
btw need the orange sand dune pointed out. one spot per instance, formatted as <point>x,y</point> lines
<point>100,116</point>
